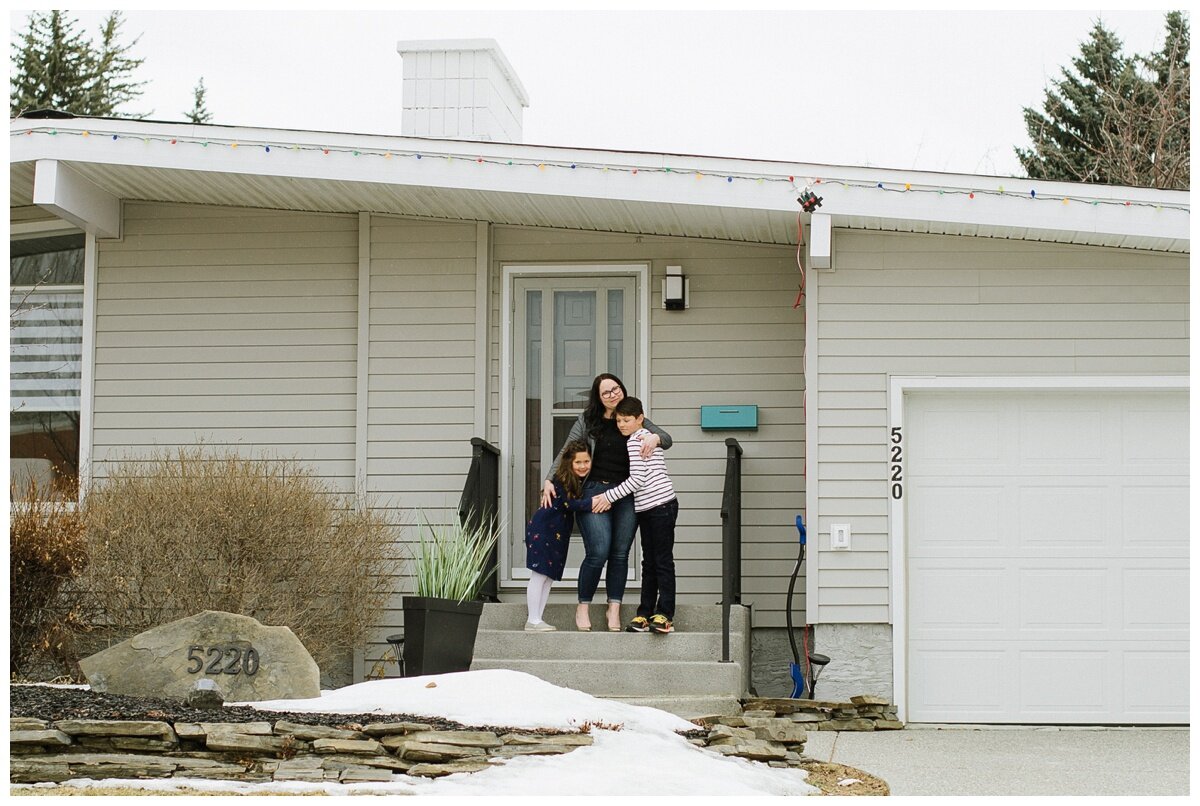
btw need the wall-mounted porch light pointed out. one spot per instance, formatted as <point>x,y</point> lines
<point>675,289</point>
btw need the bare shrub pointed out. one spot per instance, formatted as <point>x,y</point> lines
<point>47,554</point>
<point>193,529</point>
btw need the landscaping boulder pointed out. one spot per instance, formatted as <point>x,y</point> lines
<point>247,661</point>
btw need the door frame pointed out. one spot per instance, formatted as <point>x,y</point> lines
<point>509,272</point>
<point>898,387</point>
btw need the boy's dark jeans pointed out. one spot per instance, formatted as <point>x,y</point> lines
<point>657,526</point>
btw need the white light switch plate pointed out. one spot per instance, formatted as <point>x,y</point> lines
<point>839,535</point>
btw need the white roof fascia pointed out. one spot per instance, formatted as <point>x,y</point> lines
<point>694,180</point>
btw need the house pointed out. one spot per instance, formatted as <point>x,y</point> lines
<point>982,392</point>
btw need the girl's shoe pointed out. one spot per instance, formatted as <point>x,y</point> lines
<point>540,626</point>
<point>661,624</point>
<point>639,624</point>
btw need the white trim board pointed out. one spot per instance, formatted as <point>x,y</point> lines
<point>362,357</point>
<point>508,273</point>
<point>898,387</point>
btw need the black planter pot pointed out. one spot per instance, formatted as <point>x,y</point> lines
<point>439,635</point>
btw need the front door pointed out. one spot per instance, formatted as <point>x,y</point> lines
<point>566,330</point>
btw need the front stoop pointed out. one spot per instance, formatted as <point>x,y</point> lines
<point>681,672</point>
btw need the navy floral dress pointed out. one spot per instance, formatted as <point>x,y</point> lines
<point>549,532</point>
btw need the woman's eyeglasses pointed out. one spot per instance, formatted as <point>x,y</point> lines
<point>616,390</point>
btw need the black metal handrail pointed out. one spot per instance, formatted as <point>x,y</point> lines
<point>731,540</point>
<point>478,507</point>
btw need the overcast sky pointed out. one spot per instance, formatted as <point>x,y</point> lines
<point>939,91</point>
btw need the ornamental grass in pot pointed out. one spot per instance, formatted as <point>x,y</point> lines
<point>442,619</point>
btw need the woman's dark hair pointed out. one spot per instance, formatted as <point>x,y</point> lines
<point>593,415</point>
<point>564,475</point>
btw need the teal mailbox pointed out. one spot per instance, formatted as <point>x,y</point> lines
<point>729,418</point>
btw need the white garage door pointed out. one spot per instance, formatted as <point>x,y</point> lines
<point>1047,559</point>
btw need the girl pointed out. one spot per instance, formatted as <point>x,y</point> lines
<point>549,530</point>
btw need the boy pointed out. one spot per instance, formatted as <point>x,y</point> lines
<point>657,509</point>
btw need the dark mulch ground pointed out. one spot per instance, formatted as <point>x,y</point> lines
<point>52,703</point>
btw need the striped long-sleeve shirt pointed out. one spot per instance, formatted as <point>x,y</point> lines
<point>648,479</point>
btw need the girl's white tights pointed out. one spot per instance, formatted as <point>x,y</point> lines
<point>537,594</point>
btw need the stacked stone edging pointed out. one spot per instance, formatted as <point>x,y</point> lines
<point>259,752</point>
<point>863,712</point>
<point>757,736</point>
<point>775,730</point>
<point>768,730</point>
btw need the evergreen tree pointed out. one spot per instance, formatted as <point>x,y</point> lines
<point>199,113</point>
<point>55,67</point>
<point>1116,119</point>
<point>112,69</point>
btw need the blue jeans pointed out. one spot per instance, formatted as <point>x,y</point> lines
<point>607,537</point>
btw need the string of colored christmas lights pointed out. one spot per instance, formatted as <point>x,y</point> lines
<point>796,184</point>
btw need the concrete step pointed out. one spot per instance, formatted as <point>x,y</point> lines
<point>630,678</point>
<point>688,707</point>
<point>688,617</point>
<point>678,646</point>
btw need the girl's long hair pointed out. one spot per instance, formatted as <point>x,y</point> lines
<point>593,415</point>
<point>572,485</point>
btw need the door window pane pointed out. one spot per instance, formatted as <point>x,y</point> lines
<point>574,347</point>
<point>616,332</point>
<point>533,399</point>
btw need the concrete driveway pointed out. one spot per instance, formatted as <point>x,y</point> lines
<point>1008,760</point>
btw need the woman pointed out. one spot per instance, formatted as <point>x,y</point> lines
<point>607,535</point>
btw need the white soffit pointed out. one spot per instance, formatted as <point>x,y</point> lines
<point>663,194</point>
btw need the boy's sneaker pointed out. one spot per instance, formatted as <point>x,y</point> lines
<point>639,624</point>
<point>661,624</point>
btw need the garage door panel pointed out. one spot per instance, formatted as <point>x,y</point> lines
<point>1050,584</point>
<point>1151,681</point>
<point>1058,514</point>
<point>1155,601</point>
<point>1044,604</point>
<point>1152,436</point>
<point>1065,681</point>
<point>1155,516</point>
<point>946,507</point>
<point>961,682</point>
<point>1063,434</point>
<point>963,435</point>
<point>958,601</point>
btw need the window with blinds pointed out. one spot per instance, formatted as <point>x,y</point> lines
<point>45,360</point>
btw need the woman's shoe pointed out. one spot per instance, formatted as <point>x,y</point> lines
<point>583,622</point>
<point>539,626</point>
<point>614,618</point>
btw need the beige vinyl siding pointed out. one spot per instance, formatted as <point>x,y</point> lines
<point>25,215</point>
<point>905,304</point>
<point>739,342</point>
<point>421,384</point>
<point>231,326</point>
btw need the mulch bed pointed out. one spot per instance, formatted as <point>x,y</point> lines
<point>52,703</point>
<point>828,776</point>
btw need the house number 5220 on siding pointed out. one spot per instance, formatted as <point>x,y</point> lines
<point>896,469</point>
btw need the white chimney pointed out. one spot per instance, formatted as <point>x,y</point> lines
<point>462,89</point>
